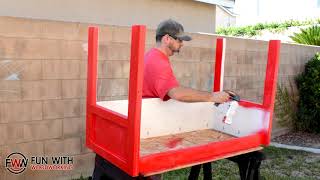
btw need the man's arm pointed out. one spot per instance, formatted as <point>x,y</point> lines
<point>191,95</point>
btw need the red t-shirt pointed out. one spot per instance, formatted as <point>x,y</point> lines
<point>158,76</point>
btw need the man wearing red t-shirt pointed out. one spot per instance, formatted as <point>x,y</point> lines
<point>160,82</point>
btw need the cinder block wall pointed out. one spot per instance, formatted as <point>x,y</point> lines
<point>43,82</point>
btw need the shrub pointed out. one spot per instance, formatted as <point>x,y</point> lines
<point>253,30</point>
<point>286,106</point>
<point>309,36</point>
<point>308,83</point>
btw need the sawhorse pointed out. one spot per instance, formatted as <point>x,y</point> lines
<point>249,168</point>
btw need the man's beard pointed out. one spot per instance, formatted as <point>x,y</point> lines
<point>173,50</point>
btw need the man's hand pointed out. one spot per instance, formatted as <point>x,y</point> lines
<point>220,97</point>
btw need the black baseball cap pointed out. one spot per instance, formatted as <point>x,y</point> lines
<point>173,29</point>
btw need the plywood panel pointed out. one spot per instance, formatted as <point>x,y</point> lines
<point>160,118</point>
<point>180,141</point>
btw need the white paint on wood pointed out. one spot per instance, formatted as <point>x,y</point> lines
<point>159,118</point>
<point>245,121</point>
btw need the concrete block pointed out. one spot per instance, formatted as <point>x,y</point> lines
<point>241,57</point>
<point>121,34</point>
<point>51,69</point>
<point>244,69</point>
<point>6,48</point>
<point>73,126</point>
<point>252,94</point>
<point>84,148</point>
<point>61,69</point>
<point>10,91</point>
<point>20,111</point>
<point>65,147</point>
<point>12,133</point>
<point>106,33</point>
<point>32,28</point>
<point>83,107</point>
<point>207,54</point>
<point>249,57</point>
<point>206,82</point>
<point>112,87</point>
<point>41,90</point>
<point>125,69</point>
<point>202,40</point>
<point>238,44</point>
<point>205,75</point>
<point>53,109</point>
<point>71,107</point>
<point>74,88</point>
<point>188,54</point>
<point>256,45</point>
<point>244,82</point>
<point>150,37</point>
<point>28,149</point>
<point>110,69</point>
<point>57,30</point>
<point>83,69</point>
<point>261,58</point>
<point>70,69</point>
<point>42,130</point>
<point>231,57</point>
<point>3,134</point>
<point>114,51</point>
<point>38,49</point>
<point>18,27</point>
<point>20,70</point>
<point>73,50</point>
<point>261,70</point>
<point>231,70</point>
<point>182,69</point>
<point>230,83</point>
<point>10,176</point>
<point>31,70</point>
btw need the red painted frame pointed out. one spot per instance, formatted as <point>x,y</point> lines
<point>118,137</point>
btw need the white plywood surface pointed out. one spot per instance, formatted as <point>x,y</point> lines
<point>159,118</point>
<point>245,121</point>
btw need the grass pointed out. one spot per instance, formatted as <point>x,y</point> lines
<point>281,164</point>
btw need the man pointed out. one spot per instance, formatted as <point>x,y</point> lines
<point>159,81</point>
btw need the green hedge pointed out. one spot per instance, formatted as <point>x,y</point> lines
<point>308,83</point>
<point>256,29</point>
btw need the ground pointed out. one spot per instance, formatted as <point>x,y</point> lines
<point>299,139</point>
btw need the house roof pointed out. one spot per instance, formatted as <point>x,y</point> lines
<point>225,3</point>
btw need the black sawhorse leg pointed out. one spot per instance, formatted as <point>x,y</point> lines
<point>195,171</point>
<point>249,167</point>
<point>105,170</point>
